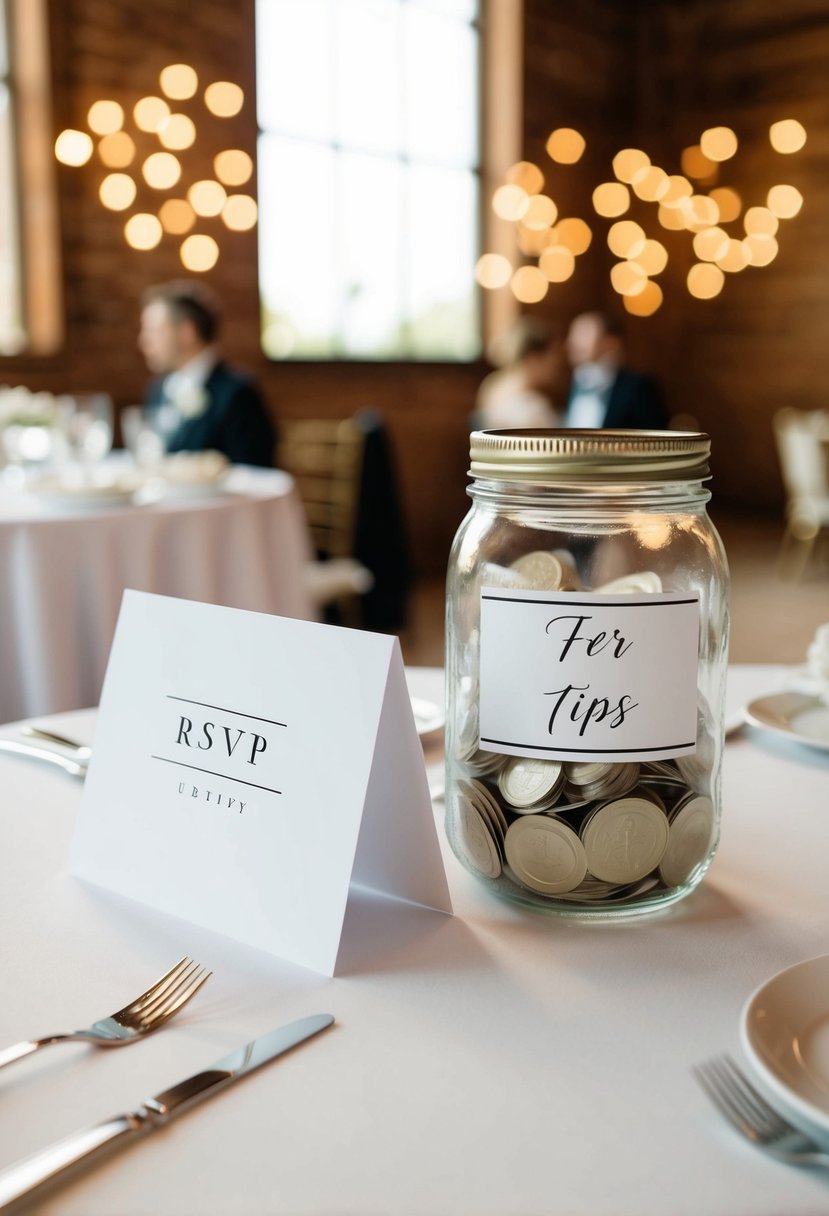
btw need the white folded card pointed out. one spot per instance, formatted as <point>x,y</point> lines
<point>248,769</point>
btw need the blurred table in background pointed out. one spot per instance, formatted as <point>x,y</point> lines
<point>63,570</point>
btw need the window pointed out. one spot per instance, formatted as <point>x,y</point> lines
<point>12,329</point>
<point>368,178</point>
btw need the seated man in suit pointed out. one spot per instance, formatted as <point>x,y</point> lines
<point>603,393</point>
<point>204,404</point>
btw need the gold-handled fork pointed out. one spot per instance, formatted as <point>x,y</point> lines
<point>140,1017</point>
<point>748,1111</point>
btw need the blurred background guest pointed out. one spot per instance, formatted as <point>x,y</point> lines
<point>520,392</point>
<point>203,403</point>
<point>603,392</point>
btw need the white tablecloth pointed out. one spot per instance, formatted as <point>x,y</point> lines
<point>495,1062</point>
<point>62,576</point>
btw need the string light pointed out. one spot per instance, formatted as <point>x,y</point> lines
<point>699,211</point>
<point>73,148</point>
<point>510,202</point>
<point>787,136</point>
<point>541,212</point>
<point>574,233</point>
<point>671,217</point>
<point>529,285</point>
<point>652,257</point>
<point>233,167</point>
<point>696,164</point>
<point>710,244</point>
<point>565,146</point>
<point>161,170</point>
<point>784,201</point>
<point>646,302</point>
<point>493,270</point>
<point>734,258</point>
<point>624,236</point>
<point>718,143</point>
<point>117,191</point>
<point>177,216</point>
<point>628,278</point>
<point>177,132</point>
<point>143,231</point>
<point>611,199</point>
<point>760,249</point>
<point>650,184</point>
<point>533,241</point>
<point>199,253</point>
<point>105,117</point>
<point>629,162</point>
<point>557,263</point>
<point>526,175</point>
<point>117,151</point>
<point>760,220</point>
<point>224,99</point>
<point>678,188</point>
<point>240,212</point>
<point>728,203</point>
<point>207,198</point>
<point>705,281</point>
<point>149,113</point>
<point>178,81</point>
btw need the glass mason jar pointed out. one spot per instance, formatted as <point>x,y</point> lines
<point>586,648</point>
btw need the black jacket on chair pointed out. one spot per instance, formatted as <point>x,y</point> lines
<point>235,422</point>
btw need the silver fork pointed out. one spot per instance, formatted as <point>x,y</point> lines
<point>141,1017</point>
<point>81,752</point>
<point>749,1112</point>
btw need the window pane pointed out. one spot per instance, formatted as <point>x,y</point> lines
<point>441,73</point>
<point>442,311</point>
<point>294,67</point>
<point>368,84</point>
<point>370,238</point>
<point>462,10</point>
<point>12,335</point>
<point>297,254</point>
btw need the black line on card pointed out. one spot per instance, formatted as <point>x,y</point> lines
<point>605,751</point>
<point>238,712</point>
<point>516,599</point>
<point>224,776</point>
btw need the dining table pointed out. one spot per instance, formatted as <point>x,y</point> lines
<point>66,561</point>
<point>492,1062</point>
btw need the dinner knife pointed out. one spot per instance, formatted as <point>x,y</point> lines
<point>25,1176</point>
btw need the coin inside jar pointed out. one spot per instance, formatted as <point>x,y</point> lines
<point>524,781</point>
<point>691,830</point>
<point>539,570</point>
<point>545,854</point>
<point>624,840</point>
<point>475,837</point>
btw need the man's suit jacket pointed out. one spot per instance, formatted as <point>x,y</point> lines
<point>635,402</point>
<point>235,422</point>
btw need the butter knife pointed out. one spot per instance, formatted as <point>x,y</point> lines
<point>27,1175</point>
<point>76,768</point>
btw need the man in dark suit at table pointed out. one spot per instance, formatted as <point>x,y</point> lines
<point>603,392</point>
<point>202,403</point>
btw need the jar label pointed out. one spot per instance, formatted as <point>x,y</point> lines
<point>588,676</point>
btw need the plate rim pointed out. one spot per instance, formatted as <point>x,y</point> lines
<point>785,732</point>
<point>816,1115</point>
<point>434,723</point>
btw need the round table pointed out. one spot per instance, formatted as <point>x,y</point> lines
<point>63,571</point>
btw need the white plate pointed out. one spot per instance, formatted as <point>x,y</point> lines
<point>796,715</point>
<point>785,1034</point>
<point>427,716</point>
<point>82,498</point>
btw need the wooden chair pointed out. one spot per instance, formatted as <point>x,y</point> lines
<point>802,439</point>
<point>325,458</point>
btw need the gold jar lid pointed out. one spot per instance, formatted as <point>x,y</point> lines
<point>551,457</point>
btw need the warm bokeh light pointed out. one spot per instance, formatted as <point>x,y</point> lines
<point>624,236</point>
<point>574,234</point>
<point>784,201</point>
<point>177,216</point>
<point>143,231</point>
<point>541,212</point>
<point>696,164</point>
<point>628,278</point>
<point>718,143</point>
<point>734,258</point>
<point>233,167</point>
<point>557,263</point>
<point>760,220</point>
<point>224,99</point>
<point>105,117</point>
<point>652,257</point>
<point>161,170</point>
<point>650,184</point>
<point>149,113</point>
<point>117,151</point>
<point>788,135</point>
<point>671,218</point>
<point>240,212</point>
<point>629,162</point>
<point>73,148</point>
<point>705,281</point>
<point>678,188</point>
<point>117,191</point>
<point>493,270</point>
<point>646,302</point>
<point>533,241</point>
<point>728,203</point>
<point>529,285</point>
<point>526,175</point>
<point>207,197</point>
<point>699,211</point>
<point>611,199</point>
<point>177,132</point>
<point>760,249</point>
<point>178,81</point>
<point>565,146</point>
<point>710,244</point>
<point>510,202</point>
<point>199,253</point>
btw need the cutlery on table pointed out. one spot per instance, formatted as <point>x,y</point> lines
<point>749,1112</point>
<point>82,752</point>
<point>141,1017</point>
<point>76,768</point>
<point>24,1177</point>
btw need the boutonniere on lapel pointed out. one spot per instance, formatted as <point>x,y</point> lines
<point>190,399</point>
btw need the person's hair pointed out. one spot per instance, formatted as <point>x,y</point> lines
<point>188,301</point>
<point>528,336</point>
